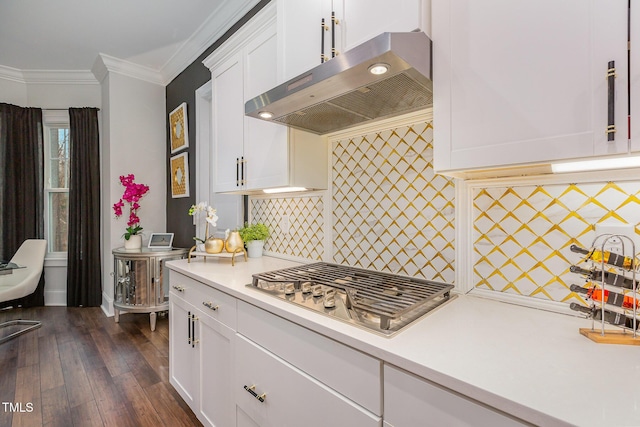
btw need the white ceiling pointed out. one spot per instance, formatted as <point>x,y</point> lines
<point>69,34</point>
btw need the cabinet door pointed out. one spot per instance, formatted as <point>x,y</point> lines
<point>228,122</point>
<point>266,146</point>
<point>525,82</point>
<point>411,401</point>
<point>217,407</point>
<point>183,366</point>
<point>299,35</point>
<point>291,397</point>
<point>365,19</point>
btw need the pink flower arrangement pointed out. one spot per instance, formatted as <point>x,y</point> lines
<point>132,194</point>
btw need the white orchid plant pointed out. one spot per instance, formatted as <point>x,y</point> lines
<point>211,217</point>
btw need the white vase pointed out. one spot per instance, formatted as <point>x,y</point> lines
<point>134,242</point>
<point>254,248</point>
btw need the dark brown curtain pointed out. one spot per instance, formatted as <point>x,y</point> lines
<point>21,186</point>
<point>84,276</point>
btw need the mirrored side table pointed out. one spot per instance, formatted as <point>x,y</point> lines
<point>141,281</point>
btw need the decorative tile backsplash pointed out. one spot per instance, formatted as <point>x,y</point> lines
<point>390,211</point>
<point>521,234</point>
<point>305,237</point>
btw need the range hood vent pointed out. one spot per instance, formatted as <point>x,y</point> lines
<point>342,93</point>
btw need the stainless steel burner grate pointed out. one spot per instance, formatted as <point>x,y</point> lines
<point>387,295</point>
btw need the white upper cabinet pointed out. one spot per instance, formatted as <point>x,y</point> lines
<point>525,82</point>
<point>265,143</point>
<point>228,122</point>
<point>251,154</point>
<point>301,33</point>
<point>365,19</point>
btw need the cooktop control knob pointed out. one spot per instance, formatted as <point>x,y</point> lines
<point>306,288</point>
<point>289,289</point>
<point>330,300</point>
<point>316,290</point>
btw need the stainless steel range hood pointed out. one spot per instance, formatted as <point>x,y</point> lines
<point>342,92</point>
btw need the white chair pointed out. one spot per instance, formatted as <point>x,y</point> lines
<point>23,281</point>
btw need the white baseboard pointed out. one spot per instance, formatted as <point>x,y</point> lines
<point>107,305</point>
<point>55,298</point>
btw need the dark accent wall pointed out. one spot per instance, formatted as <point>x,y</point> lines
<point>182,89</point>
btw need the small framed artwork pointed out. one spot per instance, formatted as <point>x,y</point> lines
<point>161,241</point>
<point>179,129</point>
<point>180,176</point>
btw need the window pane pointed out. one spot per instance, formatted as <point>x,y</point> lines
<point>59,165</point>
<point>58,220</point>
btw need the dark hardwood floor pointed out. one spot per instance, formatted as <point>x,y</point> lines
<point>83,369</point>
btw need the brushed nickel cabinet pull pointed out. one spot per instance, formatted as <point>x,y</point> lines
<point>178,288</point>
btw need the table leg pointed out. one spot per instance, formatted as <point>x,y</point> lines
<point>116,315</point>
<point>152,319</point>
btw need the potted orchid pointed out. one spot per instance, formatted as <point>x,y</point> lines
<point>211,218</point>
<point>132,194</point>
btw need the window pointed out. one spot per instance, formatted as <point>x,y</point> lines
<point>56,179</point>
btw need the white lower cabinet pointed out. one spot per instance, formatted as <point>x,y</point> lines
<point>287,375</point>
<point>201,349</point>
<point>410,401</point>
<point>271,392</point>
<point>235,364</point>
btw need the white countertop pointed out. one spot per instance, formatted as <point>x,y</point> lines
<point>530,363</point>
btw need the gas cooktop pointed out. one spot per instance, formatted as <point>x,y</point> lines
<point>383,303</point>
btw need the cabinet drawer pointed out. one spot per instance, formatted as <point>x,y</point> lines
<point>213,302</point>
<point>348,371</point>
<point>412,401</point>
<point>290,397</point>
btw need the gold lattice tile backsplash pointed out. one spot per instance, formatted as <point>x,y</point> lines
<point>521,234</point>
<point>390,211</point>
<point>305,237</point>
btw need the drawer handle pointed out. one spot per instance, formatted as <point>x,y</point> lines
<point>210,305</point>
<point>178,288</point>
<point>252,391</point>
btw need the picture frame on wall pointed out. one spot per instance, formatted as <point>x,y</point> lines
<point>180,176</point>
<point>179,128</point>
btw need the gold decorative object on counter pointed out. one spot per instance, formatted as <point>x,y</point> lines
<point>233,242</point>
<point>213,245</point>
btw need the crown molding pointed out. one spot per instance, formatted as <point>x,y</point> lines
<point>47,76</point>
<point>59,77</point>
<point>222,19</point>
<point>12,74</point>
<point>241,37</point>
<point>108,64</point>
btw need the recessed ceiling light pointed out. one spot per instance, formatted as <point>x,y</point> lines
<point>265,114</point>
<point>379,68</point>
